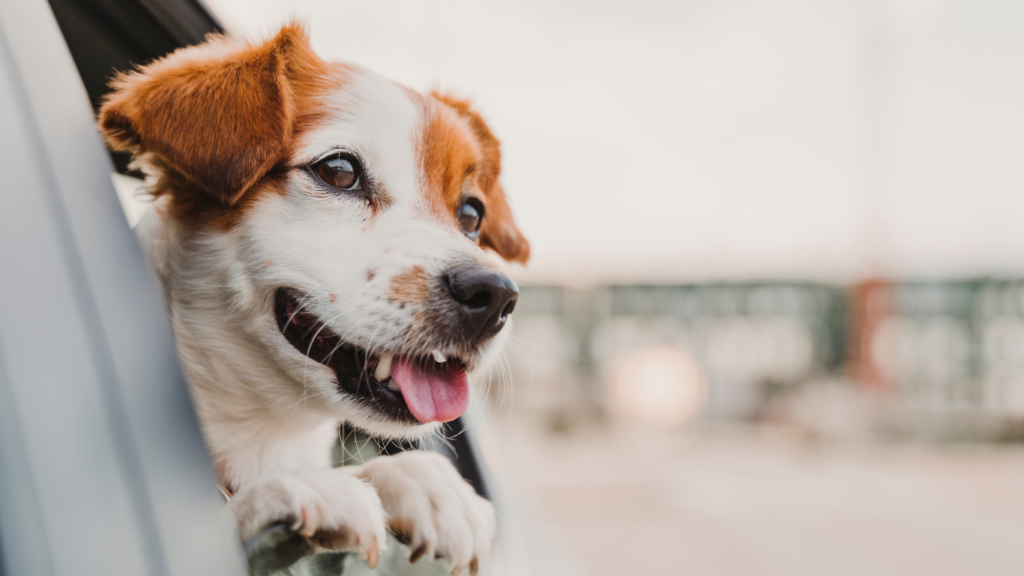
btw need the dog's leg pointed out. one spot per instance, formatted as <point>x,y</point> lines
<point>331,507</point>
<point>432,508</point>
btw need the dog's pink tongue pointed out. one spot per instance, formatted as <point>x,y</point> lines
<point>433,393</point>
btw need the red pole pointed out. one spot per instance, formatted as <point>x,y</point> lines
<point>870,304</point>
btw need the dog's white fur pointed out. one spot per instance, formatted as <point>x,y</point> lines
<point>270,414</point>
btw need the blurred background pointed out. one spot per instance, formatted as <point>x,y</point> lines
<point>774,320</point>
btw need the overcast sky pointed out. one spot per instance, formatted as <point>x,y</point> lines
<point>720,139</point>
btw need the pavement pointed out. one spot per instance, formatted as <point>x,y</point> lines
<point>759,502</point>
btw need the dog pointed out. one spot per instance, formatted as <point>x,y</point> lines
<point>329,244</point>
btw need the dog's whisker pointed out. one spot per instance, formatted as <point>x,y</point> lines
<point>370,351</point>
<point>442,437</point>
<point>506,372</point>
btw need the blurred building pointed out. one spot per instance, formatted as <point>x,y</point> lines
<point>933,358</point>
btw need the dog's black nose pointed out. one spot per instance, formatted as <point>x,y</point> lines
<point>485,297</point>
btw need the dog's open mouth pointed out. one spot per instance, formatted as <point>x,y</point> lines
<point>417,388</point>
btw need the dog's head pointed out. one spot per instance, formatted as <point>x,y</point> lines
<point>351,214</point>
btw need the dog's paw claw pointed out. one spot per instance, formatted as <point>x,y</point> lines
<point>372,553</point>
<point>417,553</point>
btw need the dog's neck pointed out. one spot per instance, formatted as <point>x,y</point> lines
<point>255,418</point>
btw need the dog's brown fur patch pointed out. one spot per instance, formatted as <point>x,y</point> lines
<point>448,155</point>
<point>413,285</point>
<point>216,121</point>
<point>498,230</point>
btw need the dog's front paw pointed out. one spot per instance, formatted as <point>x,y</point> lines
<point>333,509</point>
<point>432,509</point>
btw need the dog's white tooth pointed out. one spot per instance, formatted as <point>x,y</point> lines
<point>392,385</point>
<point>438,357</point>
<point>383,371</point>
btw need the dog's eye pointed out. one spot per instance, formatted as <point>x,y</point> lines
<point>469,215</point>
<point>341,172</point>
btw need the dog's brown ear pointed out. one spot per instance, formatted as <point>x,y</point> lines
<point>498,231</point>
<point>221,113</point>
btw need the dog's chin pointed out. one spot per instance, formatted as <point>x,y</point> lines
<point>420,390</point>
<point>385,429</point>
